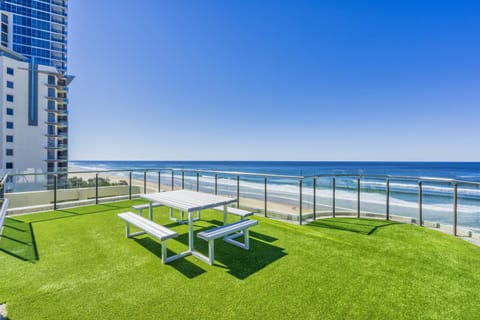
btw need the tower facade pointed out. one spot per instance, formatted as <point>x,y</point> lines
<point>36,29</point>
<point>34,87</point>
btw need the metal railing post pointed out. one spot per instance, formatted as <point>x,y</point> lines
<point>159,181</point>
<point>388,199</point>
<point>216,184</point>
<point>333,197</point>
<point>173,180</point>
<point>300,204</point>
<point>144,181</point>
<point>420,200</point>
<point>238,191</point>
<point>265,194</point>
<point>198,181</point>
<point>130,185</point>
<point>55,192</point>
<point>358,197</point>
<point>96,188</point>
<point>314,198</point>
<point>183,179</point>
<point>455,208</point>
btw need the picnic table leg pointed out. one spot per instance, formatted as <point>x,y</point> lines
<point>225,214</point>
<point>150,211</point>
<point>190,231</point>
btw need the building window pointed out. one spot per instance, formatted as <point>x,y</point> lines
<point>9,138</point>
<point>51,92</point>
<point>9,165</point>
<point>9,84</point>
<point>10,71</point>
<point>51,79</point>
<point>4,39</point>
<point>9,111</point>
<point>9,125</point>
<point>9,98</point>
<point>51,105</point>
<point>9,152</point>
<point>4,18</point>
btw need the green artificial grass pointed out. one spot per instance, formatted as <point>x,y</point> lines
<point>77,264</point>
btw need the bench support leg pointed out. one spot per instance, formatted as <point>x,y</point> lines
<point>134,234</point>
<point>166,258</point>
<point>164,251</point>
<point>182,219</point>
<point>211,251</point>
<point>245,245</point>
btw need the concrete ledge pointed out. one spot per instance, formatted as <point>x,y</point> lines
<point>67,204</point>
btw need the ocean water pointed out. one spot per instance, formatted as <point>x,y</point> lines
<point>468,171</point>
<point>437,197</point>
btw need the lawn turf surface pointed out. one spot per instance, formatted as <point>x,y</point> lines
<point>78,264</point>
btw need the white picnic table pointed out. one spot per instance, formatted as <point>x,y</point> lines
<point>190,202</point>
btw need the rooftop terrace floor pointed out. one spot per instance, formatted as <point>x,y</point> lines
<point>77,264</point>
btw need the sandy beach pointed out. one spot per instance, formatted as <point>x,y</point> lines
<point>250,203</point>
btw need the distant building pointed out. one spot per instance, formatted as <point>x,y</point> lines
<point>34,86</point>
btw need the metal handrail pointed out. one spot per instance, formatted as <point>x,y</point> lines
<point>391,177</point>
<point>242,173</point>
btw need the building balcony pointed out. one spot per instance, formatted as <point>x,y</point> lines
<point>58,20</point>
<point>60,31</point>
<point>62,112</point>
<point>62,13</point>
<point>59,40</point>
<point>59,3</point>
<point>61,124</point>
<point>56,160</point>
<point>60,146</point>
<point>59,87</point>
<point>59,136</point>
<point>58,99</point>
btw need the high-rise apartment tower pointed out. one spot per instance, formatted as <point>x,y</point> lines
<point>34,86</point>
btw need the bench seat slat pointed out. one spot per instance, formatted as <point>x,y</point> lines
<point>146,206</point>
<point>235,211</point>
<point>226,230</point>
<point>150,227</point>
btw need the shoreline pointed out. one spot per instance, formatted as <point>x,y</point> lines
<point>289,209</point>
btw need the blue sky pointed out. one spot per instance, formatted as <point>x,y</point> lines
<point>275,80</point>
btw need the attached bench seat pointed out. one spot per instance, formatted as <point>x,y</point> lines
<point>140,207</point>
<point>228,232</point>
<point>153,229</point>
<point>236,212</point>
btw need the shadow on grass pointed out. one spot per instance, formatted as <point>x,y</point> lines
<point>239,262</point>
<point>187,268</point>
<point>362,226</point>
<point>242,263</point>
<point>18,240</point>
